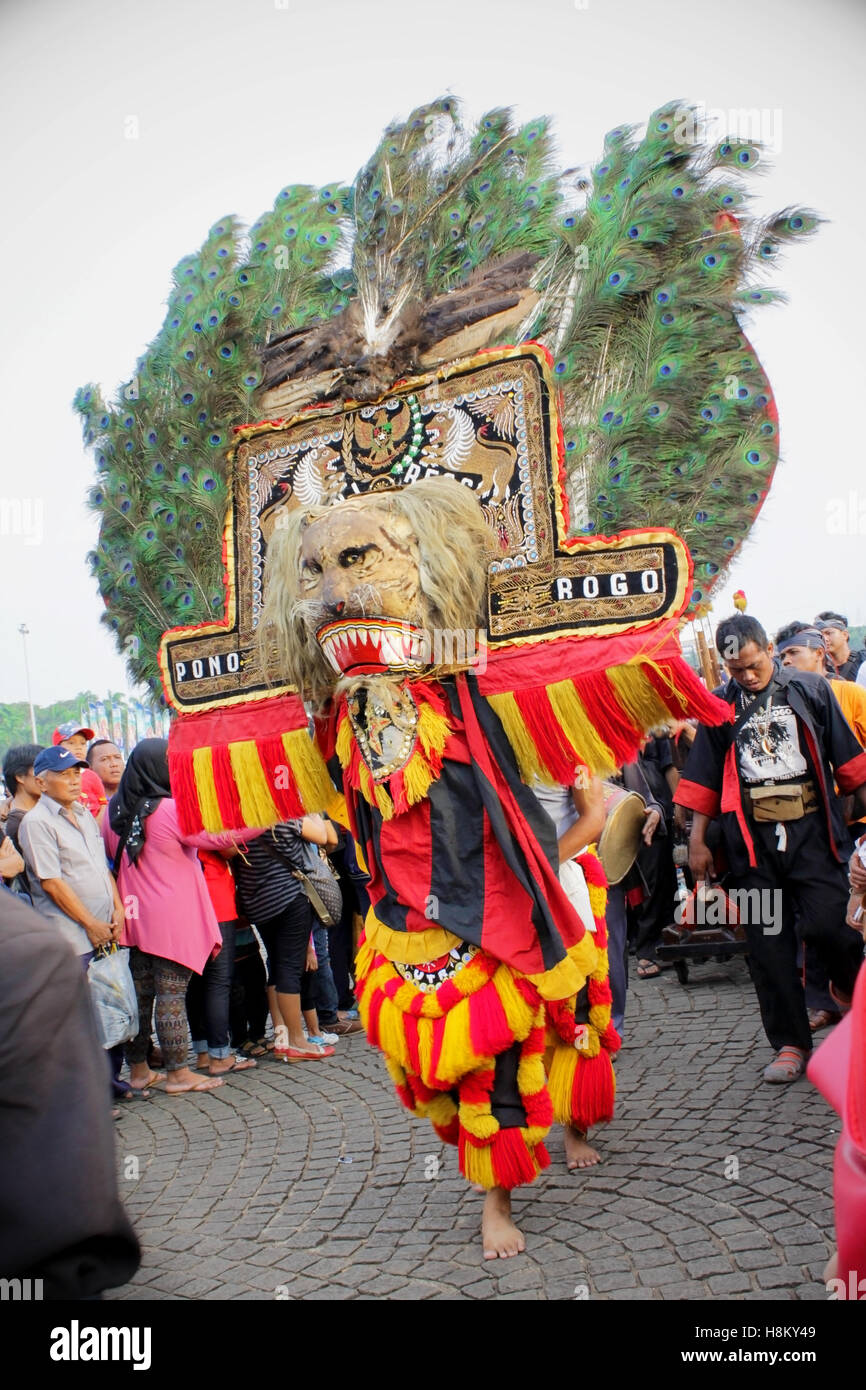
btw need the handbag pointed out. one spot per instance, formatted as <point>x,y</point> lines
<point>112,990</point>
<point>317,880</point>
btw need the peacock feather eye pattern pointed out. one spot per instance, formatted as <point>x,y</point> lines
<point>643,262</point>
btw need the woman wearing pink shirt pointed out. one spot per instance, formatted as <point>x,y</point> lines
<point>170,923</point>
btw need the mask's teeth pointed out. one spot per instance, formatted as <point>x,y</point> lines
<point>330,653</point>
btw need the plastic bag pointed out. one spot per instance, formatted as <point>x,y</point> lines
<point>112,990</point>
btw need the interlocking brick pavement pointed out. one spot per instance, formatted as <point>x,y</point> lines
<point>310,1181</point>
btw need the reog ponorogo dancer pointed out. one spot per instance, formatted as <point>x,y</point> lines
<point>469,373</point>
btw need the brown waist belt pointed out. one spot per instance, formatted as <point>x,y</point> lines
<point>783,803</point>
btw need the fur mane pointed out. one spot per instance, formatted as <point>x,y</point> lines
<point>455,546</point>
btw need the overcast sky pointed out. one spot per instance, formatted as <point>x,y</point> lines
<point>236,98</point>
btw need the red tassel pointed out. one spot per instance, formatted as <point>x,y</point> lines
<point>543,727</point>
<point>275,765</point>
<point>514,1162</point>
<point>599,992</point>
<point>450,1133</point>
<point>475,1088</point>
<point>226,790</point>
<point>539,1109</point>
<point>489,1032</point>
<point>410,1032</point>
<point>592,1096</point>
<point>185,792</point>
<point>703,706</point>
<point>607,716</point>
<point>373,1018</point>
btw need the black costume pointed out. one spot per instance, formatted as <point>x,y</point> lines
<point>787,742</point>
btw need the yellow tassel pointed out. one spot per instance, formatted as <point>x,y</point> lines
<point>417,777</point>
<point>433,729</point>
<point>597,899</point>
<point>202,766</point>
<point>518,1013</point>
<point>527,755</point>
<point>383,801</point>
<point>665,678</point>
<point>392,1039</point>
<point>366,782</point>
<point>457,1056</point>
<point>599,1017</point>
<point>601,970</point>
<point>478,1121</point>
<point>344,742</point>
<point>441,1110</point>
<point>637,697</point>
<point>478,1166</point>
<point>530,1074</point>
<point>257,804</point>
<point>425,1047</point>
<point>590,1043</point>
<point>396,1072</point>
<point>560,1082</point>
<point>309,770</point>
<point>576,726</point>
<point>364,960</point>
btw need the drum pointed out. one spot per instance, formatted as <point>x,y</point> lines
<point>620,839</point>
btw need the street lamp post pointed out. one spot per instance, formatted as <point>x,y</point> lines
<point>25,633</point>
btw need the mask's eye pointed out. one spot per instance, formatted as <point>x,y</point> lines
<point>311,569</point>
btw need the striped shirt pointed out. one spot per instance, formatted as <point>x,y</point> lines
<point>264,879</point>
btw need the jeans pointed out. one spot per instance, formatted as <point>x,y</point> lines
<point>248,1002</point>
<point>324,991</point>
<point>208,996</point>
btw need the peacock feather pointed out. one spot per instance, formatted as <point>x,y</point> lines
<point>634,275</point>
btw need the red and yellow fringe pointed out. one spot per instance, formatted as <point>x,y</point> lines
<point>250,766</point>
<point>411,783</point>
<point>440,1049</point>
<point>581,1078</point>
<point>598,720</point>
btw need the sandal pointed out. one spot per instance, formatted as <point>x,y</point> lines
<point>237,1064</point>
<point>823,1018</point>
<point>297,1054</point>
<point>253,1049</point>
<point>648,970</point>
<point>153,1080</point>
<point>788,1064</point>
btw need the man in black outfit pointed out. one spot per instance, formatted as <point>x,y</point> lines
<point>769,776</point>
<point>833,627</point>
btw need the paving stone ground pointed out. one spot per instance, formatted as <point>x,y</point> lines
<point>309,1181</point>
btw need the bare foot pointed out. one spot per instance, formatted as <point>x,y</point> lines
<point>499,1235</point>
<point>578,1153</point>
<point>184,1080</point>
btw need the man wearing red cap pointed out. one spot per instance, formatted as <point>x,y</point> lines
<point>92,791</point>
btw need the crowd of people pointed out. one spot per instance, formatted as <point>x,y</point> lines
<point>93,843</point>
<point>241,944</point>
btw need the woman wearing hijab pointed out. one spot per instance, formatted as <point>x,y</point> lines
<point>170,923</point>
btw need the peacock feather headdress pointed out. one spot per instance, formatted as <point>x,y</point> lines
<point>634,276</point>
